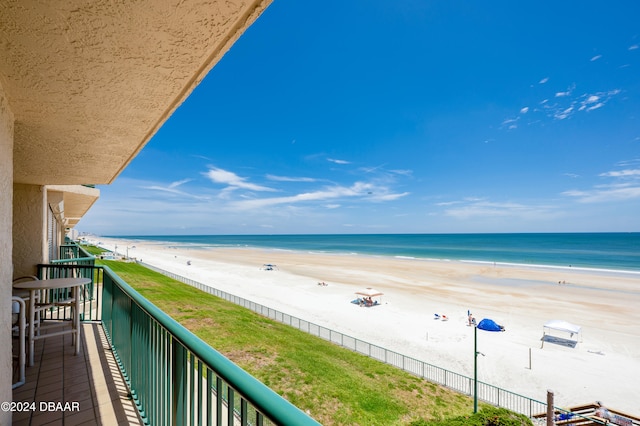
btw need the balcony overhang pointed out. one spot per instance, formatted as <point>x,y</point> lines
<point>76,201</point>
<point>89,83</point>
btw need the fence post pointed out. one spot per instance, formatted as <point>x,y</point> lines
<point>550,421</point>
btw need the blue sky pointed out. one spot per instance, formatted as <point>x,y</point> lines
<point>401,117</point>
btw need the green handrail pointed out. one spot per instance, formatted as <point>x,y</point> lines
<point>75,261</point>
<point>265,400</point>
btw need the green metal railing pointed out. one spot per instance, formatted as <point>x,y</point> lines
<point>90,295</point>
<point>75,262</point>
<point>176,378</point>
<point>73,253</point>
<point>69,250</point>
<point>173,376</point>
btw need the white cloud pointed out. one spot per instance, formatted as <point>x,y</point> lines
<point>510,123</point>
<point>178,183</point>
<point>171,189</point>
<point>363,190</point>
<point>290,179</point>
<point>524,110</point>
<point>561,115</point>
<point>568,105</point>
<point>389,197</point>
<point>333,160</point>
<point>402,172</point>
<point>596,106</point>
<point>544,80</point>
<point>217,175</point>
<point>626,186</point>
<point>481,209</point>
<point>595,58</point>
<point>370,169</point>
<point>634,47</point>
<point>630,163</point>
<point>622,173</point>
<point>605,194</point>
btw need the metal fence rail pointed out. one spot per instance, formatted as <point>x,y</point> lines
<point>488,393</point>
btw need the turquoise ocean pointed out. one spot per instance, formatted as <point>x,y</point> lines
<point>606,251</point>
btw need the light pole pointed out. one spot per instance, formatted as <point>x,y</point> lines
<point>486,325</point>
<point>475,369</point>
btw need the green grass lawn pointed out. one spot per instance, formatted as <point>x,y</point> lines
<point>335,385</point>
<point>93,250</point>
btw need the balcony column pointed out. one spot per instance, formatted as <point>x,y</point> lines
<point>6,262</point>
<point>29,228</point>
<point>55,202</point>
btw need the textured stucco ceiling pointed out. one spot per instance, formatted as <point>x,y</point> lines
<point>89,82</point>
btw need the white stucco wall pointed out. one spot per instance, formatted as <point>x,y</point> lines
<point>29,228</point>
<point>6,264</point>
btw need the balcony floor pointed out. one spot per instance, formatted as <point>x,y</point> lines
<point>91,379</point>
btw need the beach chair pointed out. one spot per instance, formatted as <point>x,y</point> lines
<point>436,316</point>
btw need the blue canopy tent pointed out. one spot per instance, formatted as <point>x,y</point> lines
<point>489,325</point>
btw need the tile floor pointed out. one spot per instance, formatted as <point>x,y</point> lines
<point>65,389</point>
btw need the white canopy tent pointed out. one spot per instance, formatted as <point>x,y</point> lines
<point>562,326</point>
<point>368,294</point>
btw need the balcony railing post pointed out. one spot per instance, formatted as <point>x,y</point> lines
<point>179,395</point>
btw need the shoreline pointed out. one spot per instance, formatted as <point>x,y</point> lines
<point>592,270</point>
<point>603,303</point>
<point>198,245</point>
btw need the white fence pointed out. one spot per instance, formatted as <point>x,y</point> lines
<point>458,382</point>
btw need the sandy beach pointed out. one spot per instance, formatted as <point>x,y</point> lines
<point>604,365</point>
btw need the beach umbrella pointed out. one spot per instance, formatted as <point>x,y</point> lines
<point>369,292</point>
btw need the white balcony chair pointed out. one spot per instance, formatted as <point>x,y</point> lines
<point>19,327</point>
<point>24,294</point>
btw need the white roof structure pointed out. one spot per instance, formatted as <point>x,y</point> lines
<point>561,325</point>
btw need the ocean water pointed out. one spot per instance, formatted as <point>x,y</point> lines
<point>608,251</point>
